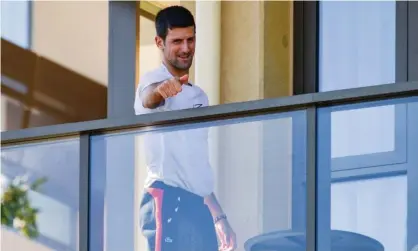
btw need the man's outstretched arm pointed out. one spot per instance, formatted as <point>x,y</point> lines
<point>155,94</point>
<point>150,97</point>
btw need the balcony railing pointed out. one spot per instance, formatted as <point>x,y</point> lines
<point>307,172</point>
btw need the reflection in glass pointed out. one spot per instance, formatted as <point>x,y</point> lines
<point>258,166</point>
<point>40,196</point>
<point>357,44</point>
<point>375,207</point>
<point>40,92</point>
<point>348,139</point>
<point>372,203</point>
<point>14,110</point>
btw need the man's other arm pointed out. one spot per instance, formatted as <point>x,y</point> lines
<point>223,229</point>
<point>214,206</point>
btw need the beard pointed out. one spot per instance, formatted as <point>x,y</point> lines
<point>180,64</point>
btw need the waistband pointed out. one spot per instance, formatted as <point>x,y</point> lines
<point>189,196</point>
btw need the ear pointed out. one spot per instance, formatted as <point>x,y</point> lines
<point>159,42</point>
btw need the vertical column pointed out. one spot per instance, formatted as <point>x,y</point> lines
<point>207,66</point>
<point>242,51</point>
<point>122,58</point>
<point>119,217</point>
<point>241,145</point>
<point>120,193</point>
<point>257,162</point>
<point>208,48</point>
<point>278,46</point>
<point>282,176</point>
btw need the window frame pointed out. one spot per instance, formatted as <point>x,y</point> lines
<point>306,68</point>
<point>306,48</point>
<point>306,45</point>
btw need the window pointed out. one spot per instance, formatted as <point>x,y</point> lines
<point>357,44</point>
<point>371,206</point>
<point>57,199</point>
<point>37,87</point>
<point>360,45</point>
<point>342,44</point>
<point>16,22</point>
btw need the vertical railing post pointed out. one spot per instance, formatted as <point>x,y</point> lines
<point>412,40</point>
<point>311,181</point>
<point>322,188</point>
<point>84,192</point>
<point>122,58</point>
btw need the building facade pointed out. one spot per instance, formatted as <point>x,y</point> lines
<point>313,121</point>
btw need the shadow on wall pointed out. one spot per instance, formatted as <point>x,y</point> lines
<point>38,92</point>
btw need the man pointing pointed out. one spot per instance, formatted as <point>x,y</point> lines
<point>179,210</point>
<point>167,89</point>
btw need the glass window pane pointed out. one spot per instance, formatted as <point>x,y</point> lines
<point>15,23</point>
<point>372,206</point>
<point>62,77</point>
<point>347,139</point>
<point>357,49</point>
<point>357,44</point>
<point>376,208</point>
<point>12,112</point>
<point>257,166</point>
<point>56,199</point>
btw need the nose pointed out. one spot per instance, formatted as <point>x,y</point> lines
<point>185,47</point>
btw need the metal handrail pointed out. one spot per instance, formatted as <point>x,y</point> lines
<point>217,112</point>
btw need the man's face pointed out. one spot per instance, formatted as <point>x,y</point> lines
<point>179,47</point>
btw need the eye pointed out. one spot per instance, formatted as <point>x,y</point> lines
<point>177,41</point>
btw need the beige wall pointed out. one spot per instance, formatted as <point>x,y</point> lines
<point>242,57</point>
<point>149,54</point>
<point>73,34</point>
<point>278,49</point>
<point>256,50</point>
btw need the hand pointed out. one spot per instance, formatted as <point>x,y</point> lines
<point>226,235</point>
<point>172,87</point>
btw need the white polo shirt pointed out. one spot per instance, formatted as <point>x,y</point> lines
<point>177,157</point>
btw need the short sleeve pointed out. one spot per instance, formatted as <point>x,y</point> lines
<point>148,79</point>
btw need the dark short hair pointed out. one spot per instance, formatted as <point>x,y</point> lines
<point>173,17</point>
